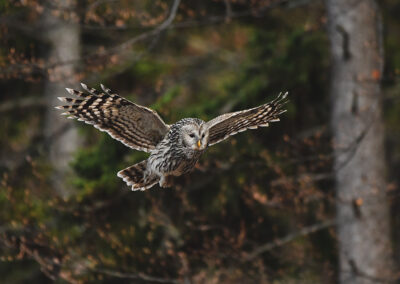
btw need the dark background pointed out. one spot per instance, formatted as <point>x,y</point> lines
<point>259,207</point>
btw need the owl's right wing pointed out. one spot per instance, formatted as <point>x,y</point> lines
<point>136,126</point>
<point>225,125</point>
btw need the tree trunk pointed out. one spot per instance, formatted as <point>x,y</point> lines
<point>64,37</point>
<point>362,208</point>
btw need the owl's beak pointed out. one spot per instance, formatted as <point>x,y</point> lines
<point>198,144</point>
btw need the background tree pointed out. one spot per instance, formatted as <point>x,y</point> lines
<point>61,30</point>
<point>355,30</point>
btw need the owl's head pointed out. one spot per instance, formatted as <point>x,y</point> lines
<point>195,135</point>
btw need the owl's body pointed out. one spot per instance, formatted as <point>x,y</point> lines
<point>170,157</point>
<point>174,149</point>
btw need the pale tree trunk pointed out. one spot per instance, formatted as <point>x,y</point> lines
<point>62,32</point>
<point>362,207</point>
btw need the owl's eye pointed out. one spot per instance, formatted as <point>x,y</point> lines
<point>191,135</point>
<point>202,136</point>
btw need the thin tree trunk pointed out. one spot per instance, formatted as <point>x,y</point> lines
<point>362,207</point>
<point>64,37</point>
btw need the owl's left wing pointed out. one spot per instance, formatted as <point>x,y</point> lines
<point>136,126</point>
<point>223,126</point>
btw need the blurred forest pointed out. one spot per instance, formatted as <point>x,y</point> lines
<point>283,204</point>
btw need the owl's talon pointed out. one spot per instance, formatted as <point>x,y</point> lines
<point>166,181</point>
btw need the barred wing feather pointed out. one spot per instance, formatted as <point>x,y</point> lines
<point>223,126</point>
<point>135,126</point>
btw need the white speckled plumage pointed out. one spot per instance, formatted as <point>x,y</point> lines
<point>174,149</point>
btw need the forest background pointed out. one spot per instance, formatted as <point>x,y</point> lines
<point>311,199</point>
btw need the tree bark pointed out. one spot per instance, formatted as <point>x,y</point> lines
<point>354,28</point>
<point>64,37</point>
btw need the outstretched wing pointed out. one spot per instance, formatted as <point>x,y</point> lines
<point>229,124</point>
<point>135,126</point>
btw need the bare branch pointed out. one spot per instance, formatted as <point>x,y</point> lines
<point>23,103</point>
<point>282,241</point>
<point>137,276</point>
<point>151,33</point>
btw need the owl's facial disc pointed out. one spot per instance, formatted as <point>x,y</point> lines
<point>195,138</point>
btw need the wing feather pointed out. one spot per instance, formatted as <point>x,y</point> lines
<point>225,125</point>
<point>136,126</point>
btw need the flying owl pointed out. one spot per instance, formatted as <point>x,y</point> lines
<point>174,149</point>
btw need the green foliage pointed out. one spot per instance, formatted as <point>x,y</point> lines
<point>166,99</point>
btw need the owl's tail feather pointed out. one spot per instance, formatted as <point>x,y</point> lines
<point>135,176</point>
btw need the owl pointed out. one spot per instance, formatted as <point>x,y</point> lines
<point>174,149</point>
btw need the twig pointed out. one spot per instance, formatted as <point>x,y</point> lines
<point>23,103</point>
<point>282,241</point>
<point>139,276</point>
<point>151,33</point>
